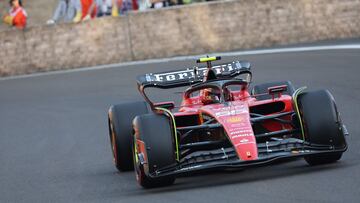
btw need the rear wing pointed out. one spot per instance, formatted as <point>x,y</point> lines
<point>191,76</point>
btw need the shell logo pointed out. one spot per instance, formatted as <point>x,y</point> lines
<point>234,119</point>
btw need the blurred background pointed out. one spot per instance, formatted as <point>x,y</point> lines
<point>47,35</point>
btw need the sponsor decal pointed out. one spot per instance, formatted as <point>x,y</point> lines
<point>189,73</point>
<point>148,78</point>
<point>244,140</point>
<point>238,144</point>
<point>242,135</point>
<point>235,119</point>
<point>239,135</point>
<point>238,126</point>
<point>244,130</point>
<point>237,107</point>
<point>230,113</point>
<point>237,132</point>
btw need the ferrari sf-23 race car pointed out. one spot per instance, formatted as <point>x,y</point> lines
<point>221,124</point>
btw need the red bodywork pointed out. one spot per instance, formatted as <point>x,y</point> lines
<point>220,125</point>
<point>234,116</point>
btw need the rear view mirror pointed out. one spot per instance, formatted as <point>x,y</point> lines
<point>166,105</point>
<point>277,90</point>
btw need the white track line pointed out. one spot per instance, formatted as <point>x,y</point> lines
<point>182,58</point>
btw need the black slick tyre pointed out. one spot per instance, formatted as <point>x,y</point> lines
<point>120,119</point>
<point>322,125</point>
<point>154,148</point>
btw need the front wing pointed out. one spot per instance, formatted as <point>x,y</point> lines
<point>225,158</point>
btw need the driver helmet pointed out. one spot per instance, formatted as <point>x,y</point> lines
<point>210,96</point>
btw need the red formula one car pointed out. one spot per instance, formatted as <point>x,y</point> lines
<point>221,124</point>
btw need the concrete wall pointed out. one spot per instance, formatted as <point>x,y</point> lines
<point>194,29</point>
<point>64,46</point>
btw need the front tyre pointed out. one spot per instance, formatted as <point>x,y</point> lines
<point>322,125</point>
<point>120,131</point>
<point>153,149</point>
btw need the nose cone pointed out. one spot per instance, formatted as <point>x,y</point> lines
<point>235,119</point>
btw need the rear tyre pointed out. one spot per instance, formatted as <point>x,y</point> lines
<point>322,124</point>
<point>154,149</point>
<point>263,89</point>
<point>120,131</point>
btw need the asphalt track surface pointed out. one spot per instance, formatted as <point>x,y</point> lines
<point>54,145</point>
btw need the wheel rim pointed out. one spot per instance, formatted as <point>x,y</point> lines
<point>113,144</point>
<point>139,172</point>
<point>136,164</point>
